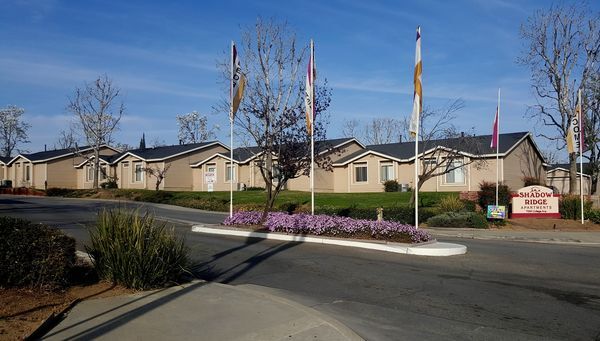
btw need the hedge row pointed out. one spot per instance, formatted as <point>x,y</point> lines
<point>34,254</point>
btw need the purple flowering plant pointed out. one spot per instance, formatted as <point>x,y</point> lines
<point>333,226</point>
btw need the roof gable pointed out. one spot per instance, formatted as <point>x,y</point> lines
<point>166,152</point>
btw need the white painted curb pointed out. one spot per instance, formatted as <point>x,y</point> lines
<point>430,249</point>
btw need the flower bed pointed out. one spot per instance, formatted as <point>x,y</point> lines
<point>333,226</point>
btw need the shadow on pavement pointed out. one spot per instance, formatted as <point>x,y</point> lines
<point>207,270</point>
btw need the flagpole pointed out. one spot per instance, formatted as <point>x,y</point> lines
<point>231,134</point>
<point>417,176</point>
<point>415,119</point>
<point>497,148</point>
<point>581,136</point>
<point>312,130</point>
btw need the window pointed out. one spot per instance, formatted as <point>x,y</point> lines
<point>360,172</point>
<point>89,173</point>
<point>386,172</point>
<point>27,173</point>
<point>138,172</point>
<point>230,173</point>
<point>455,176</point>
<point>103,173</point>
<point>429,161</point>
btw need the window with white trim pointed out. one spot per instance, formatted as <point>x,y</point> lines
<point>360,172</point>
<point>457,174</point>
<point>103,173</point>
<point>138,170</point>
<point>89,173</point>
<point>429,161</point>
<point>230,173</point>
<point>27,173</point>
<point>386,171</point>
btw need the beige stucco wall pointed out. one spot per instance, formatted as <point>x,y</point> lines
<point>324,179</point>
<point>523,161</point>
<point>199,181</point>
<point>181,176</point>
<point>125,172</point>
<point>560,180</point>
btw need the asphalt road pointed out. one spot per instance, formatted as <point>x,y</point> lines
<point>499,290</point>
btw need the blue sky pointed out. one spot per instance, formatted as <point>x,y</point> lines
<point>163,56</point>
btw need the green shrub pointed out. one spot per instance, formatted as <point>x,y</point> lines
<point>159,197</point>
<point>461,219</point>
<point>209,204</point>
<point>110,183</point>
<point>402,214</point>
<point>531,181</point>
<point>255,188</point>
<point>289,207</point>
<point>569,207</point>
<point>469,205</point>
<point>135,251</point>
<point>593,216</point>
<point>451,204</point>
<point>391,186</point>
<point>487,194</point>
<point>34,254</point>
<point>58,192</point>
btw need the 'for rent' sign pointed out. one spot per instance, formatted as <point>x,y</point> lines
<point>535,202</point>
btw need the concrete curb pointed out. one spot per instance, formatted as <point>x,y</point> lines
<point>427,249</point>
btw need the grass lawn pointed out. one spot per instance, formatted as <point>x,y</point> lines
<point>220,200</point>
<point>338,200</point>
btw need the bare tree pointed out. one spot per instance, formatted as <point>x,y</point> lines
<point>444,148</point>
<point>562,45</point>
<point>272,111</point>
<point>157,142</point>
<point>122,146</point>
<point>379,130</point>
<point>158,173</point>
<point>13,130</point>
<point>592,128</point>
<point>385,130</point>
<point>193,128</point>
<point>66,139</point>
<point>98,110</point>
<point>551,156</point>
<point>350,128</point>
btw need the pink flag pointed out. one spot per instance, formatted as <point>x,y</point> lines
<point>494,143</point>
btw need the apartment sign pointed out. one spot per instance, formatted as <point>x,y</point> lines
<point>210,177</point>
<point>535,202</point>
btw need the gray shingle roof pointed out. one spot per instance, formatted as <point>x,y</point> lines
<point>165,152</point>
<point>51,154</point>
<point>586,167</point>
<point>479,145</point>
<point>244,153</point>
<point>5,159</point>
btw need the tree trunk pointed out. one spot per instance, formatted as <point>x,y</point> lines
<point>96,165</point>
<point>573,183</point>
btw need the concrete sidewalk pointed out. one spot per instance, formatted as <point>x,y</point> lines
<point>548,237</point>
<point>198,311</point>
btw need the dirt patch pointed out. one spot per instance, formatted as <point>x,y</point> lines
<point>23,310</point>
<point>525,224</point>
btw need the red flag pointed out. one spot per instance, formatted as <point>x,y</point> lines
<point>494,143</point>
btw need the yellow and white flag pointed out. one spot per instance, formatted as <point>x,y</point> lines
<point>309,98</point>
<point>418,95</point>
<point>238,82</point>
<point>575,132</point>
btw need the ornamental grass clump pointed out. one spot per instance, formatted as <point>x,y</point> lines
<point>135,251</point>
<point>334,226</point>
